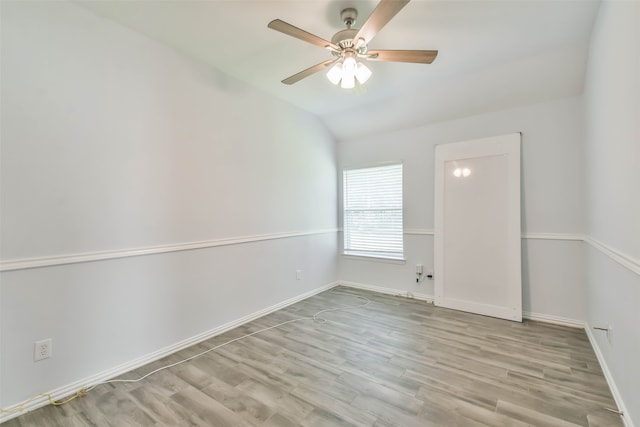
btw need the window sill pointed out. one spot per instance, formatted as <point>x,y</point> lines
<point>373,258</point>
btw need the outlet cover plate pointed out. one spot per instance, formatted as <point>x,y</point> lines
<point>42,349</point>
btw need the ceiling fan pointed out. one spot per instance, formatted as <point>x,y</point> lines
<point>351,44</point>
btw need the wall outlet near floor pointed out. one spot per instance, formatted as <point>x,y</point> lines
<point>42,349</point>
<point>298,274</point>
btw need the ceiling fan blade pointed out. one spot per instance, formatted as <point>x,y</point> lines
<point>416,56</point>
<point>309,71</point>
<point>296,32</point>
<point>380,16</point>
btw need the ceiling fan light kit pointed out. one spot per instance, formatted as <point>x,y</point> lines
<point>350,45</point>
<point>346,70</point>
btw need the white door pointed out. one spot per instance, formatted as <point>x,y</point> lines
<point>477,227</point>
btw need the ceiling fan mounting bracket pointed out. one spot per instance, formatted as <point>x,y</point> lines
<point>348,16</point>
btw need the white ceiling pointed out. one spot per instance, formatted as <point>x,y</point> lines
<point>492,54</point>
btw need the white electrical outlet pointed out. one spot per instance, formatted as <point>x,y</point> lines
<point>42,349</point>
<point>298,274</point>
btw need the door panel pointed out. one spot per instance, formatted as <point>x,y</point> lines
<point>477,230</point>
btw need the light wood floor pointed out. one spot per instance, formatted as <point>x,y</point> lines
<point>394,362</point>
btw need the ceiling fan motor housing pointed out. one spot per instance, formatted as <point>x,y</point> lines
<point>344,38</point>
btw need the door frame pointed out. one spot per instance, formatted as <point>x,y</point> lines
<point>508,145</point>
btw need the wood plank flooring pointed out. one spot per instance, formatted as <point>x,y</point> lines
<point>393,362</point>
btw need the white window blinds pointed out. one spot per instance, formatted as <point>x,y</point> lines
<point>373,211</point>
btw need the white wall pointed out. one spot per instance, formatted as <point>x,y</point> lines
<point>612,118</point>
<point>552,194</point>
<point>111,142</point>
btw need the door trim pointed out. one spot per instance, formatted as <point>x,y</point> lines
<point>508,145</point>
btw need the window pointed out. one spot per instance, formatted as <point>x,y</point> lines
<point>372,211</point>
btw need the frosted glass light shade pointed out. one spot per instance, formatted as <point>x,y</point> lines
<point>362,72</point>
<point>335,73</point>
<point>348,80</point>
<point>348,73</point>
<point>349,64</point>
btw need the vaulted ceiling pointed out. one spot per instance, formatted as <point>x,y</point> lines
<point>492,54</point>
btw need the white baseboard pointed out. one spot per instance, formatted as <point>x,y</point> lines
<point>70,389</point>
<point>387,291</point>
<point>607,375</point>
<point>556,320</point>
<point>547,318</point>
